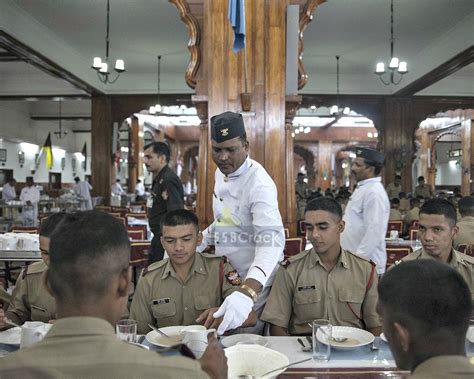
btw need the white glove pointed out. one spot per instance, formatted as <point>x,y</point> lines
<point>235,309</point>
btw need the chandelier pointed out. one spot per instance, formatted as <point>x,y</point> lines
<point>395,65</point>
<point>102,67</point>
<point>157,109</point>
<point>60,133</point>
<point>335,110</point>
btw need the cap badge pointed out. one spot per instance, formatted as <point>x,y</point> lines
<point>225,132</point>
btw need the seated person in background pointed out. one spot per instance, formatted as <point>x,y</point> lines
<point>404,203</point>
<point>437,229</point>
<point>393,189</point>
<point>302,290</point>
<point>395,214</point>
<point>414,213</point>
<point>89,276</point>
<point>4,299</point>
<point>188,287</point>
<point>426,307</point>
<point>30,300</point>
<point>466,223</point>
<point>422,189</point>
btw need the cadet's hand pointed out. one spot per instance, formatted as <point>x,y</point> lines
<point>214,361</point>
<point>207,319</point>
<point>235,309</point>
<point>3,320</point>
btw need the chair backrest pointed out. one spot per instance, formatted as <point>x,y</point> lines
<point>294,246</point>
<point>301,228</point>
<point>24,229</point>
<point>413,234</point>
<point>103,208</point>
<point>141,215</point>
<point>395,225</point>
<point>287,233</point>
<point>121,210</point>
<point>139,252</point>
<point>137,232</point>
<point>395,254</point>
<point>466,248</point>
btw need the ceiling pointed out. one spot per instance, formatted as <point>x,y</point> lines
<point>71,32</point>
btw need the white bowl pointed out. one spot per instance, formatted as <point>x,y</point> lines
<point>254,360</point>
<point>355,337</point>
<point>172,331</point>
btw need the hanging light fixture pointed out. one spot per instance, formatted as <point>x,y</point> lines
<point>157,109</point>
<point>335,110</point>
<point>102,67</point>
<point>395,65</point>
<point>60,133</point>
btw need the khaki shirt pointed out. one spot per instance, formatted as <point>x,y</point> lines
<point>404,205</point>
<point>302,189</point>
<point>161,299</point>
<point>30,300</point>
<point>460,262</point>
<point>466,231</point>
<point>443,367</point>
<point>393,191</point>
<point>303,291</point>
<point>87,347</point>
<point>4,298</point>
<point>424,190</point>
<point>395,215</point>
<point>412,215</point>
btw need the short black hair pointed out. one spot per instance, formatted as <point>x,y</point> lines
<point>466,206</point>
<point>76,179</point>
<point>86,250</point>
<point>429,297</point>
<point>420,178</point>
<point>442,207</point>
<point>395,200</point>
<point>398,177</point>
<point>160,148</point>
<point>414,201</point>
<point>325,203</point>
<point>376,165</point>
<point>50,223</point>
<point>179,217</point>
<point>300,174</point>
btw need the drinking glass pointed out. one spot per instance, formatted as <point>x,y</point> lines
<point>127,330</point>
<point>322,336</point>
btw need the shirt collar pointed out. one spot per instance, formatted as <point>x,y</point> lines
<point>370,180</point>
<point>453,261</point>
<point>198,267</point>
<point>341,261</point>
<point>241,170</point>
<point>73,326</point>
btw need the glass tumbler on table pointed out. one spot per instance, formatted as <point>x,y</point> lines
<point>127,330</point>
<point>322,336</point>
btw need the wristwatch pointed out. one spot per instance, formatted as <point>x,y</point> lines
<point>250,291</point>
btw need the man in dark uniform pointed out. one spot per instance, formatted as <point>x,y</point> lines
<point>166,192</point>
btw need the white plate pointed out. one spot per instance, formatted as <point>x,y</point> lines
<point>244,339</point>
<point>254,360</point>
<point>355,337</point>
<point>13,336</point>
<point>157,339</point>
<point>383,338</point>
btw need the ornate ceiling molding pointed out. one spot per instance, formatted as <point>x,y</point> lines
<point>194,41</point>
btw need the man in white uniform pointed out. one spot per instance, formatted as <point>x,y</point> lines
<point>140,191</point>
<point>367,212</point>
<point>30,196</point>
<point>9,192</point>
<point>82,189</point>
<point>117,188</point>
<point>247,225</point>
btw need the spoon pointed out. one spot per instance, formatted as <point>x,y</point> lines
<point>286,366</point>
<point>158,331</point>
<point>339,339</point>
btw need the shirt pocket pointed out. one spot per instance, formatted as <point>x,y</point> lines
<point>161,311</point>
<point>350,303</point>
<point>40,313</point>
<point>203,302</point>
<point>307,304</point>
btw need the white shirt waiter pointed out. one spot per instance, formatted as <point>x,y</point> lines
<point>367,212</point>
<point>30,196</point>
<point>117,189</point>
<point>82,190</point>
<point>247,225</point>
<point>8,192</point>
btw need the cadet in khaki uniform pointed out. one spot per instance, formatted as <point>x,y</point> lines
<point>437,229</point>
<point>30,300</point>
<point>394,188</point>
<point>90,280</point>
<point>188,287</point>
<point>466,223</point>
<point>423,339</point>
<point>323,282</point>
<point>422,189</point>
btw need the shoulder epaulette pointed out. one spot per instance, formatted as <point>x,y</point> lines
<point>368,260</point>
<point>207,255</point>
<point>154,266</point>
<point>285,263</point>
<point>464,258</point>
<point>34,268</point>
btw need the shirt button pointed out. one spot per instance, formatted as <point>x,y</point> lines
<point>183,287</point>
<point>185,308</point>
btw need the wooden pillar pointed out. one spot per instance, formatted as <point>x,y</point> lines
<point>134,161</point>
<point>101,136</point>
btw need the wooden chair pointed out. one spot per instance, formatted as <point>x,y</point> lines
<point>137,232</point>
<point>140,216</point>
<point>139,256</point>
<point>395,225</point>
<point>294,246</point>
<point>24,229</point>
<point>301,228</point>
<point>103,208</point>
<point>466,248</point>
<point>395,254</point>
<point>414,234</point>
<point>121,210</point>
<point>287,233</point>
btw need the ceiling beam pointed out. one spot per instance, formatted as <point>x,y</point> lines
<point>6,56</point>
<point>43,97</point>
<point>442,71</point>
<point>27,54</point>
<point>56,118</point>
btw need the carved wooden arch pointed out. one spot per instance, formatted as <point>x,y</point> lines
<point>455,131</point>
<point>309,160</point>
<point>306,16</point>
<point>191,151</point>
<point>194,41</point>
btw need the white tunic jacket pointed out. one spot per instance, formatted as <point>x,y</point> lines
<point>366,217</point>
<point>247,225</point>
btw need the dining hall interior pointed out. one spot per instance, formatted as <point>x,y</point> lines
<point>85,86</point>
